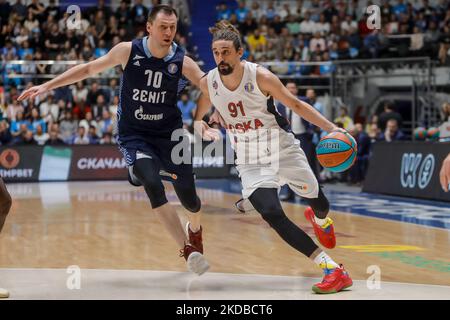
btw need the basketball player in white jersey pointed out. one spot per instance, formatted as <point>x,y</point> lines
<point>243,93</point>
<point>152,71</point>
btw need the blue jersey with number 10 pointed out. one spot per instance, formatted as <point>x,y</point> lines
<point>149,89</point>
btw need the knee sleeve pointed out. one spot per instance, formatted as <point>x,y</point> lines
<point>320,205</point>
<point>147,171</point>
<point>271,211</point>
<point>187,195</point>
<point>267,203</point>
<point>274,217</point>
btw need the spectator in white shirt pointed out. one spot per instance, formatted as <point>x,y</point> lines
<point>40,136</point>
<point>322,26</point>
<point>317,41</point>
<point>49,110</point>
<point>22,37</point>
<point>79,91</point>
<point>416,40</point>
<point>31,23</point>
<point>348,23</point>
<point>80,137</point>
<point>307,25</point>
<point>89,121</point>
<point>285,11</point>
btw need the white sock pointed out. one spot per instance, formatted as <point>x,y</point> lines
<point>319,221</point>
<point>190,228</point>
<point>324,261</point>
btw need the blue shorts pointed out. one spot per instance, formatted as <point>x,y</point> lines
<point>160,150</point>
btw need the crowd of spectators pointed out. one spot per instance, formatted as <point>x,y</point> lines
<point>314,30</point>
<point>324,30</point>
<point>79,114</point>
<point>386,125</point>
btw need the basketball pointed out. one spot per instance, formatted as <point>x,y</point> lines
<point>337,151</point>
<point>420,133</point>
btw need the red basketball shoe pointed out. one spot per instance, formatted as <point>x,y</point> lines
<point>195,238</point>
<point>334,281</point>
<point>324,233</point>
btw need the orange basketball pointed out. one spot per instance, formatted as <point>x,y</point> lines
<point>337,151</point>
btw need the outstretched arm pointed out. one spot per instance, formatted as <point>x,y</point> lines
<point>271,85</point>
<point>117,55</point>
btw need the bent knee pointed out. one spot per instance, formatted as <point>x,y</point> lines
<point>195,207</point>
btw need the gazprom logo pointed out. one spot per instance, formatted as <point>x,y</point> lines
<point>140,115</point>
<point>415,172</point>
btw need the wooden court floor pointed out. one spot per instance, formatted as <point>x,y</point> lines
<point>110,226</point>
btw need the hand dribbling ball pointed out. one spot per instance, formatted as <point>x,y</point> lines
<point>337,151</point>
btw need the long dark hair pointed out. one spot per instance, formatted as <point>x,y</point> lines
<point>224,30</point>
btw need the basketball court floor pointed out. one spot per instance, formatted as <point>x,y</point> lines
<point>100,240</point>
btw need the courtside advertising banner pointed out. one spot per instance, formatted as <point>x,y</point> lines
<point>97,163</point>
<point>20,163</point>
<point>91,162</point>
<point>407,169</point>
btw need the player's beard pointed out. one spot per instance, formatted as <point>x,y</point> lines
<point>225,71</point>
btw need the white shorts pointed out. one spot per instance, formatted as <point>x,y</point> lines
<point>291,168</point>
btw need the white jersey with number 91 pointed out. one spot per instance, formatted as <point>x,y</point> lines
<point>267,154</point>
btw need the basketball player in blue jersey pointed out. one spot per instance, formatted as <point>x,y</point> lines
<point>153,71</point>
<point>243,93</point>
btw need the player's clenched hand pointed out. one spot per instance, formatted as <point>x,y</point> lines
<point>32,92</point>
<point>444,175</point>
<point>217,118</point>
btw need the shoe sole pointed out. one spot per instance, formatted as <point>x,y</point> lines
<point>244,206</point>
<point>313,223</point>
<point>4,294</point>
<point>319,291</point>
<point>197,263</point>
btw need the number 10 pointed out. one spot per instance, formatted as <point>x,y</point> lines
<point>157,79</point>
